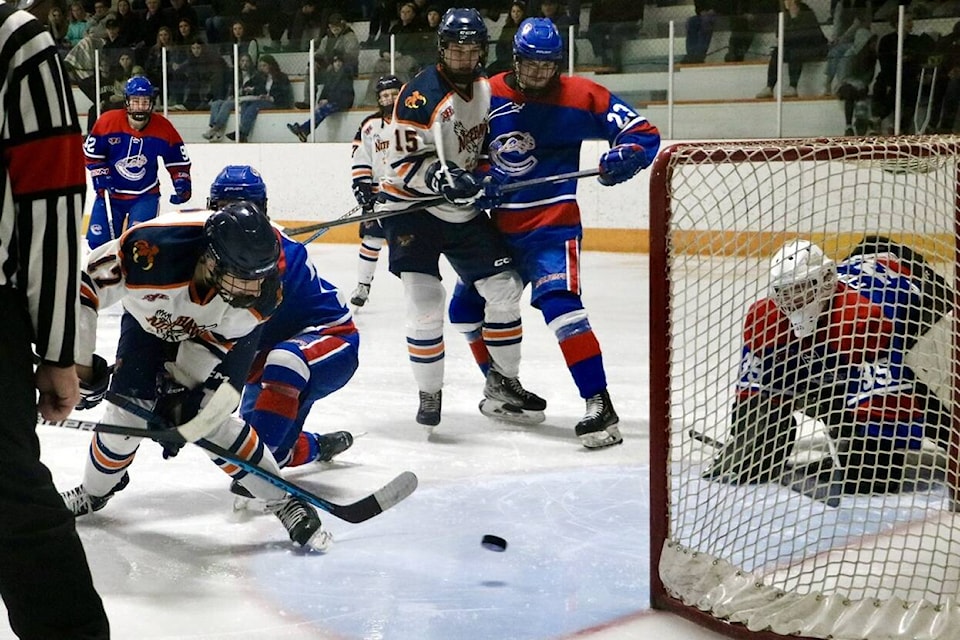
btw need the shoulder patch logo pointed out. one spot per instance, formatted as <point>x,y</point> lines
<point>415,100</point>
<point>144,253</point>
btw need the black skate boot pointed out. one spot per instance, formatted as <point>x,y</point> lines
<point>429,412</point>
<point>302,524</point>
<point>82,503</point>
<point>598,427</point>
<point>506,399</point>
<point>332,444</point>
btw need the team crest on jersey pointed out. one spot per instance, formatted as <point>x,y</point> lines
<point>470,139</point>
<point>114,140</point>
<point>177,329</point>
<point>415,100</point>
<point>133,167</point>
<point>153,297</point>
<point>380,145</point>
<point>513,152</point>
<point>144,253</point>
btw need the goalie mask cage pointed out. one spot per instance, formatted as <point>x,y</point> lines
<point>768,560</point>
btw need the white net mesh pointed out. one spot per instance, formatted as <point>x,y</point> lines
<point>806,482</point>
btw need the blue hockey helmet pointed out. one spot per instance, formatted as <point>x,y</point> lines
<point>538,39</point>
<point>139,97</point>
<point>238,182</point>
<point>243,250</point>
<point>537,53</point>
<point>462,26</point>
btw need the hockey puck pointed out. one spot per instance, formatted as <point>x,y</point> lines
<point>493,543</point>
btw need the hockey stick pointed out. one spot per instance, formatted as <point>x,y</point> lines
<point>376,215</point>
<point>320,232</point>
<point>384,498</point>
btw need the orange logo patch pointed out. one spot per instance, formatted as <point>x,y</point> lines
<point>144,253</point>
<point>415,100</point>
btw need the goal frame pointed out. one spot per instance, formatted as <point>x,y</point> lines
<point>662,170</point>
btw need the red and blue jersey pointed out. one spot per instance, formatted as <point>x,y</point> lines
<point>132,155</point>
<point>539,136</point>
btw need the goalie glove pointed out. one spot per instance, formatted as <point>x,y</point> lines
<point>92,393</point>
<point>462,187</point>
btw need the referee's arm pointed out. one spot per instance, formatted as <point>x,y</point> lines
<point>41,203</point>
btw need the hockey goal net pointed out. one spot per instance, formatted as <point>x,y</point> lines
<point>801,552</point>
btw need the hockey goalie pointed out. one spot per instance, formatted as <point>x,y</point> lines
<point>833,341</point>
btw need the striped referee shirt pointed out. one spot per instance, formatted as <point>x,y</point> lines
<point>44,184</point>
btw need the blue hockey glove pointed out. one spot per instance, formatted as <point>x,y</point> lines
<point>461,189</point>
<point>492,195</point>
<point>101,178</point>
<point>363,192</point>
<point>621,163</point>
<point>91,393</point>
<point>183,187</point>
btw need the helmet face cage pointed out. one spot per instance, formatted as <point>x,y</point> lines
<point>462,27</point>
<point>242,253</point>
<point>238,183</point>
<point>388,89</point>
<point>537,54</point>
<point>139,98</point>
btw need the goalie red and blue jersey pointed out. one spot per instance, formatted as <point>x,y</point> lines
<point>539,136</point>
<point>860,344</point>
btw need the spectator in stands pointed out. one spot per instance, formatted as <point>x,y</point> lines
<point>336,95</point>
<point>947,89</point>
<point>246,44</point>
<point>504,47</point>
<point>225,13</point>
<point>77,25</point>
<point>113,45</point>
<point>854,77</point>
<point>58,25</point>
<point>129,24</point>
<point>154,61</point>
<point>747,18</point>
<point>252,85</point>
<point>185,33</point>
<point>309,23</point>
<point>381,19</point>
<point>849,16</point>
<point>151,19</point>
<point>412,38</point>
<point>177,12</point>
<point>254,17</point>
<point>96,23</point>
<point>204,77</point>
<point>112,93</point>
<point>700,31</point>
<point>916,51</point>
<point>433,18</point>
<point>803,41</point>
<point>550,9</point>
<point>279,18</point>
<point>404,68</point>
<point>277,93</point>
<point>341,42</point>
<point>612,23</point>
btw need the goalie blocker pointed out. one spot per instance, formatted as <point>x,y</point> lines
<point>868,316</point>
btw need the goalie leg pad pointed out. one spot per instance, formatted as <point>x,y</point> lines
<point>761,438</point>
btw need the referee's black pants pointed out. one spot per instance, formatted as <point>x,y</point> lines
<point>44,578</point>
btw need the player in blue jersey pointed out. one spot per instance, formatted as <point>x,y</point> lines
<point>370,145</point>
<point>833,340</point>
<point>307,349</point>
<point>538,120</point>
<point>196,289</point>
<point>442,114</point>
<point>122,154</point>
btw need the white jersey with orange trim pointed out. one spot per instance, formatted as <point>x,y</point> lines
<point>370,146</point>
<point>462,116</point>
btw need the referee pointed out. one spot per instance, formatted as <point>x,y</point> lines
<point>44,578</point>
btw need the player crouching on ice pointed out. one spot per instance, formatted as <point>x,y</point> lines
<point>196,289</point>
<point>833,341</point>
<point>307,350</point>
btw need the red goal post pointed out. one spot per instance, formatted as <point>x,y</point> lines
<point>793,559</point>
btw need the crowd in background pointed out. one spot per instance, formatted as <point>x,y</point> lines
<point>856,40</point>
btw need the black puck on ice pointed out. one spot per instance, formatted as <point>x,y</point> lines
<point>493,543</point>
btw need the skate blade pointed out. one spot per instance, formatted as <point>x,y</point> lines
<point>319,541</point>
<point>600,439</point>
<point>499,410</point>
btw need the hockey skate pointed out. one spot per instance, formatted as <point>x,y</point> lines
<point>332,444</point>
<point>506,399</point>
<point>246,502</point>
<point>359,296</point>
<point>429,412</point>
<point>82,503</point>
<point>302,524</point>
<point>598,427</point>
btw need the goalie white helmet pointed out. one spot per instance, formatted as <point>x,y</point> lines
<point>802,280</point>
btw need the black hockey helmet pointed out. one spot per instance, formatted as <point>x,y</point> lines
<point>387,83</point>
<point>244,249</point>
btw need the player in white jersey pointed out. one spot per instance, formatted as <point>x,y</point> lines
<point>370,145</point>
<point>196,289</point>
<point>440,121</point>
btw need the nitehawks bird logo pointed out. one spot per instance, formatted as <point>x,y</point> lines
<point>144,253</point>
<point>415,100</point>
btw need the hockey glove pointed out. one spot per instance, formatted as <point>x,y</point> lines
<point>101,178</point>
<point>183,187</point>
<point>363,192</point>
<point>462,188</point>
<point>621,163</point>
<point>493,183</point>
<point>91,393</point>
